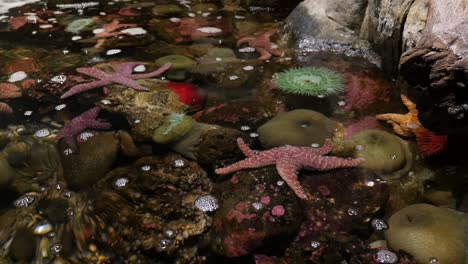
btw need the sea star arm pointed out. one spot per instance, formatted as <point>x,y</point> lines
<point>71,142</point>
<point>125,81</point>
<point>245,40</point>
<point>157,72</point>
<point>399,129</point>
<point>264,54</point>
<point>288,172</point>
<point>126,68</point>
<point>105,34</point>
<point>275,51</point>
<point>84,87</point>
<point>98,74</point>
<point>248,152</point>
<point>410,105</point>
<point>326,148</point>
<point>99,125</point>
<point>89,114</point>
<point>323,163</point>
<point>262,159</point>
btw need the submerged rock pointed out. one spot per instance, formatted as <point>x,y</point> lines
<point>95,157</point>
<point>384,153</point>
<point>300,127</point>
<point>144,111</point>
<point>257,207</point>
<point>430,234</point>
<point>208,144</point>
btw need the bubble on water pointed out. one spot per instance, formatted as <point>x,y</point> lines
<point>386,256</point>
<point>139,68</point>
<point>24,201</point>
<point>179,163</point>
<point>164,243</point>
<point>253,135</point>
<point>42,133</point>
<point>60,79</point>
<point>379,224</point>
<point>359,147</point>
<point>247,49</point>
<point>169,233</point>
<point>134,31</point>
<point>257,205</point>
<point>244,128</point>
<point>86,135</point>
<point>60,107</point>
<point>393,157</point>
<point>341,103</point>
<point>68,151</point>
<point>121,182</point>
<point>42,228</point>
<point>55,249</point>
<point>207,203</point>
<point>248,68</point>
<point>433,260</point>
<point>146,168</point>
<point>352,212</point>
<point>315,244</point>
<point>113,51</point>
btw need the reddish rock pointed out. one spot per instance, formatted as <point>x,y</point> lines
<point>259,208</point>
<point>26,65</point>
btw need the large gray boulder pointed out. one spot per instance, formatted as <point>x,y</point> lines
<point>365,28</point>
<point>424,42</point>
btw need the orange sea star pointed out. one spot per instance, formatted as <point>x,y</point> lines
<point>409,125</point>
<point>403,125</point>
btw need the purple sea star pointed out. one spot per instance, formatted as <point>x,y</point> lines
<point>79,124</point>
<point>289,160</point>
<point>123,75</point>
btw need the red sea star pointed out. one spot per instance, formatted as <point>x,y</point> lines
<point>124,75</point>
<point>79,124</point>
<point>289,160</point>
<point>262,45</point>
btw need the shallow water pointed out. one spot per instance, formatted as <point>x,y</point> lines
<point>134,181</point>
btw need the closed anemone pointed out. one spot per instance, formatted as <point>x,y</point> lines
<point>311,81</point>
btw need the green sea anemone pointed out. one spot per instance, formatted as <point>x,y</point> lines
<point>310,81</point>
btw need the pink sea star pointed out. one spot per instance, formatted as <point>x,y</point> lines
<point>262,44</point>
<point>289,160</point>
<point>79,124</point>
<point>189,29</point>
<point>109,30</point>
<point>123,75</point>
